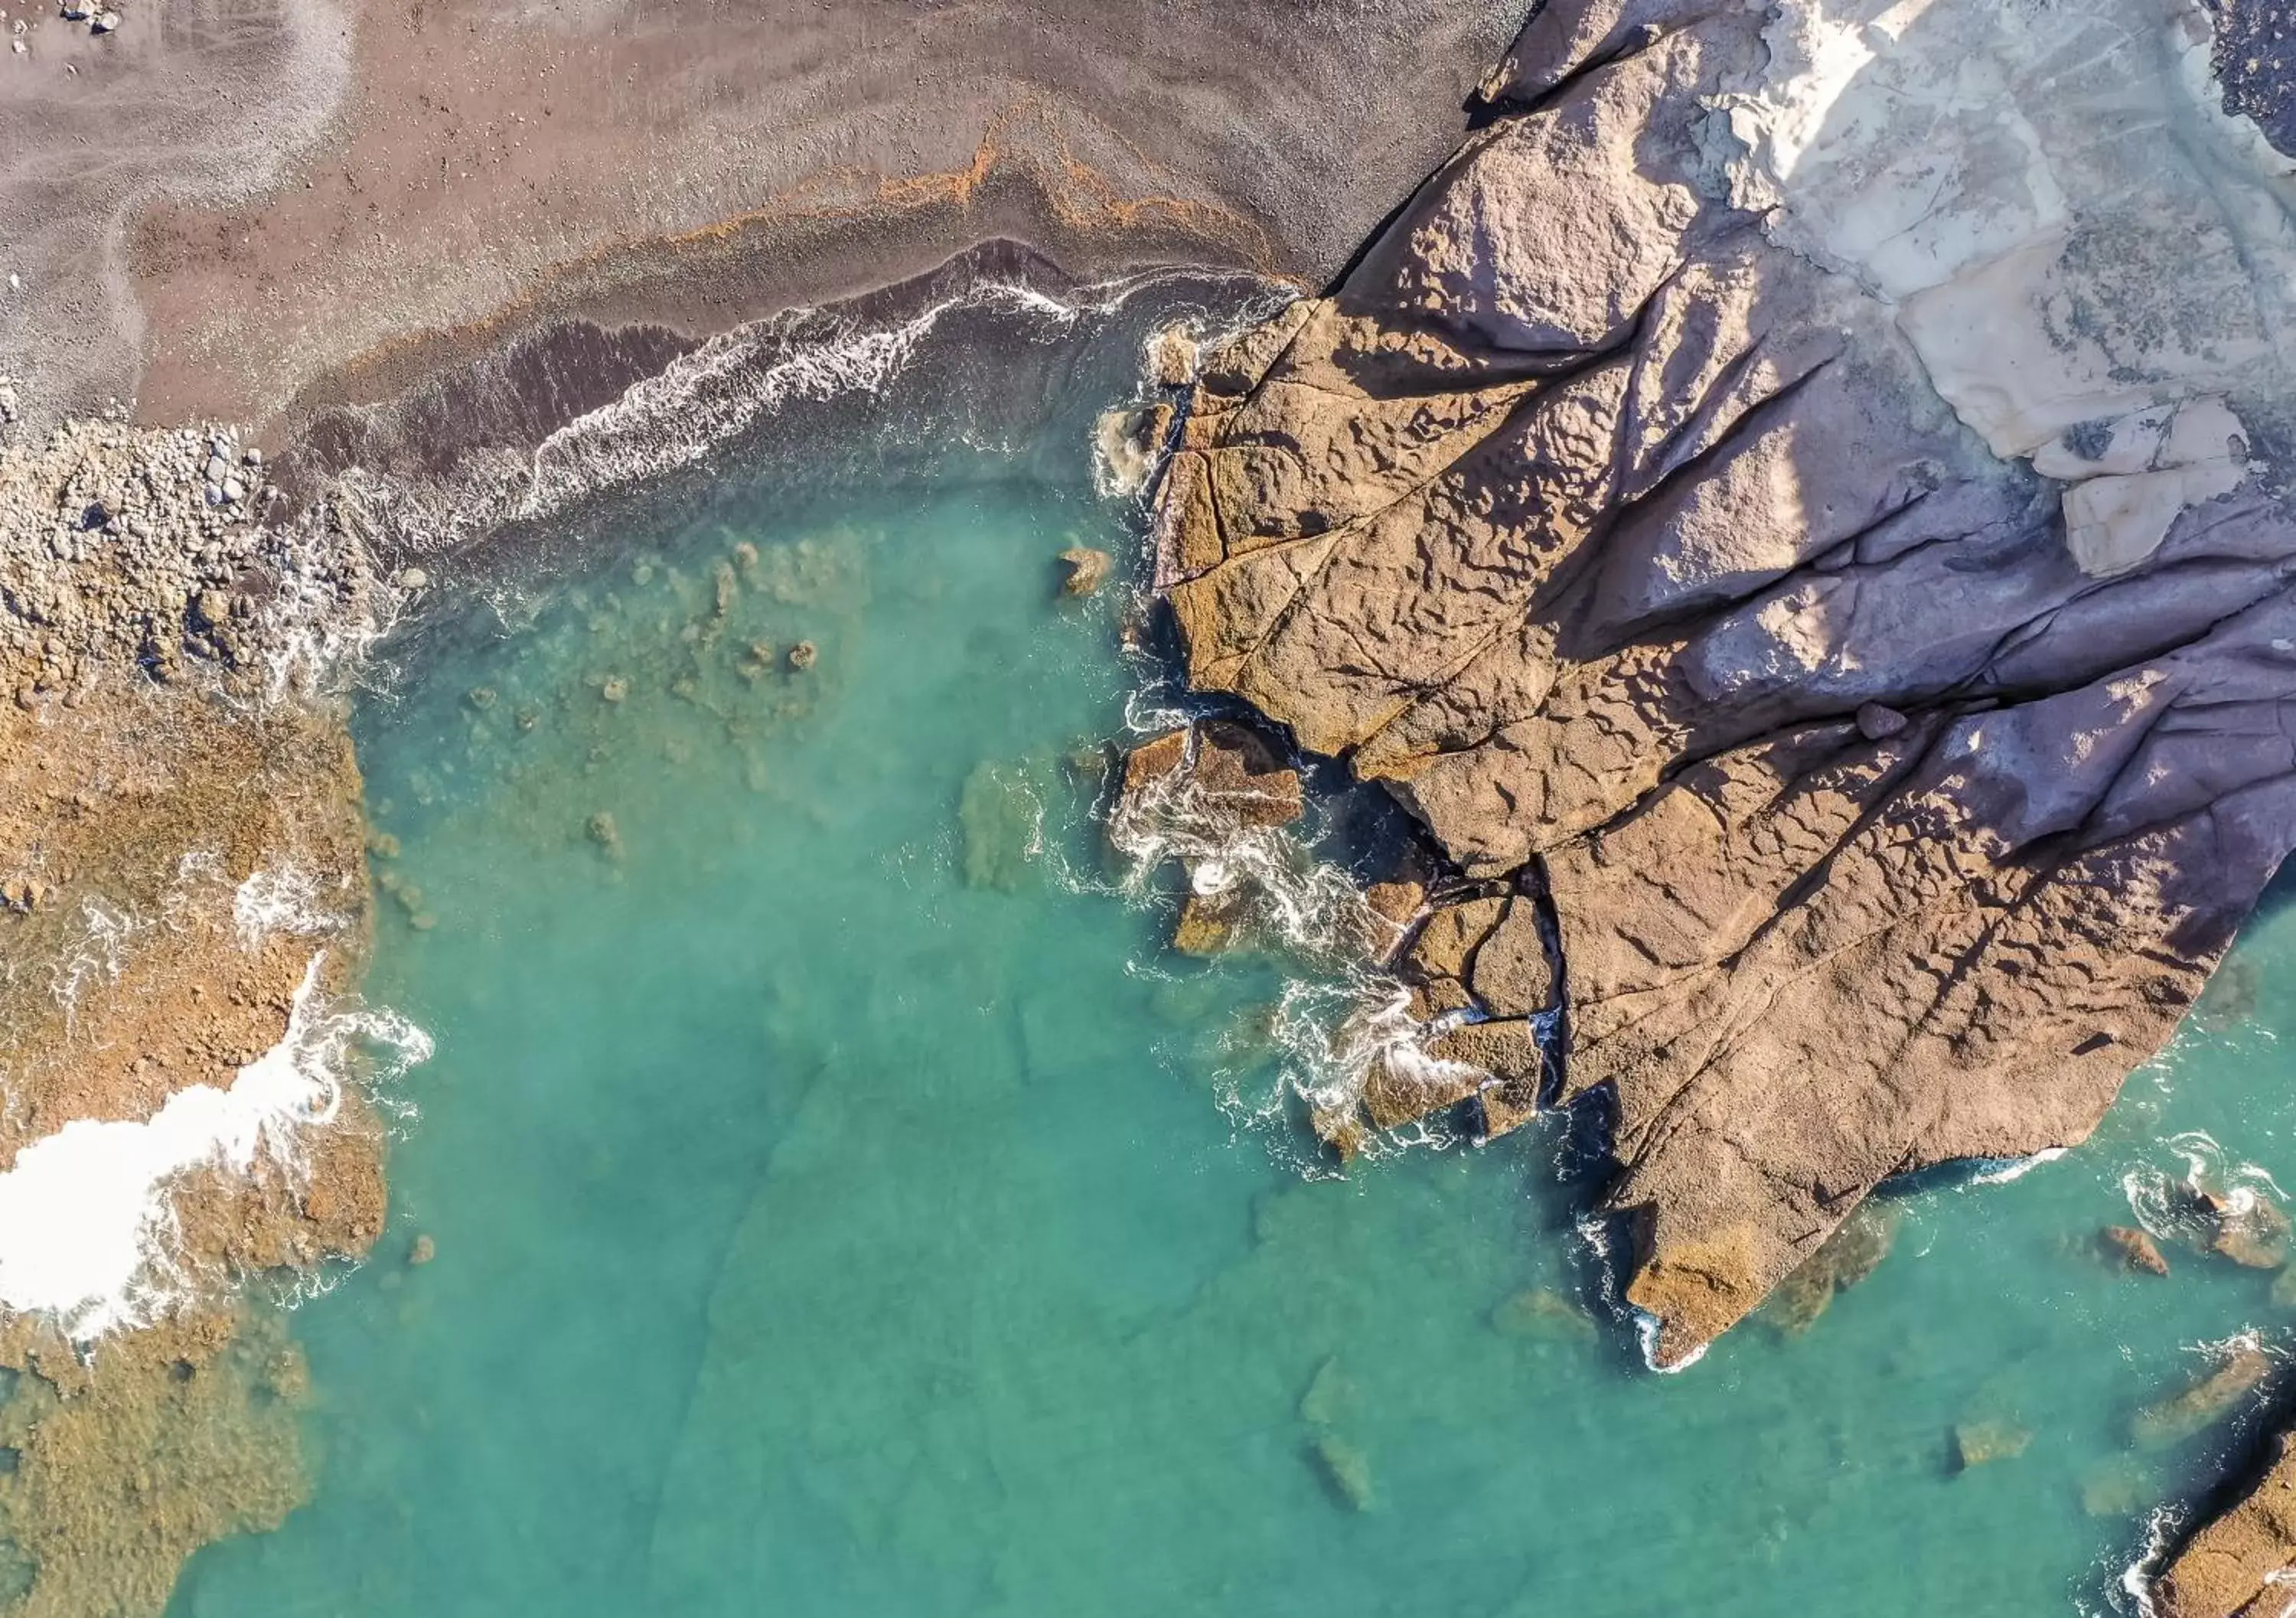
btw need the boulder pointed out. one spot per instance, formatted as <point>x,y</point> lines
<point>2132,1249</point>
<point>1087,570</point>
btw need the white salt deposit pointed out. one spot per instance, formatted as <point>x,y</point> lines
<point>87,1234</point>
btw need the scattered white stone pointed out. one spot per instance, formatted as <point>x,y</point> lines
<point>104,23</point>
<point>233,490</point>
<point>412,579</point>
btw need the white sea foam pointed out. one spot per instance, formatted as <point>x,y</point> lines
<point>2136,1578</point>
<point>87,1234</point>
<point>99,953</point>
<point>2015,1168</point>
<point>699,402</point>
<point>285,900</point>
<point>1646,1334</point>
<point>2163,1200</point>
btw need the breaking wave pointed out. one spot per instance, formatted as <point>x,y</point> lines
<point>698,403</point>
<point>2165,1200</point>
<point>89,1235</point>
<point>1340,1016</point>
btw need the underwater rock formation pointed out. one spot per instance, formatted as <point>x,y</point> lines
<point>1800,497</point>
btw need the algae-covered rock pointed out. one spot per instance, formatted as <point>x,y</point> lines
<point>1087,570</point>
<point>2243,1367</point>
<point>2132,1249</point>
<point>1226,771</point>
<point>1978,1443</point>
<point>1542,1314</point>
<point>1405,1085</point>
<point>173,1438</point>
<point>1345,1471</point>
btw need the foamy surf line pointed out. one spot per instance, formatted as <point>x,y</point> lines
<point>88,1232</point>
<point>703,400</point>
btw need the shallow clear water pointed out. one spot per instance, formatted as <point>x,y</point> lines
<point>835,1211</point>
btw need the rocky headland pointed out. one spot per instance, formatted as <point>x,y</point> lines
<point>1839,594</point>
<point>1797,508</point>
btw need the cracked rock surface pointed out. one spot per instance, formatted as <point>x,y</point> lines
<point>1871,636</point>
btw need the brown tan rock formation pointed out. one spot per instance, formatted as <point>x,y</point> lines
<point>175,1437</point>
<point>2241,1564</point>
<point>1634,551</point>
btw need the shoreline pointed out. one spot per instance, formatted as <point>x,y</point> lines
<point>460,175</point>
<point>412,447</point>
<point>162,753</point>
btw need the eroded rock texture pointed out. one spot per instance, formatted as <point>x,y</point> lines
<point>1893,798</point>
<point>2241,1564</point>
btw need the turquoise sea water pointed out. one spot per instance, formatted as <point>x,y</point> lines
<point>836,1213</point>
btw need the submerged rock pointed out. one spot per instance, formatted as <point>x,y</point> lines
<point>1981,1442</point>
<point>1001,814</point>
<point>1330,1398</point>
<point>1853,1251</point>
<point>1345,1471</point>
<point>2243,1368</point>
<point>2117,1487</point>
<point>1540,1312</point>
<point>2250,1229</point>
<point>1208,924</point>
<point>1087,570</point>
<point>2133,1248</point>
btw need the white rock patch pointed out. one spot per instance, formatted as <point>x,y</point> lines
<point>2094,264</point>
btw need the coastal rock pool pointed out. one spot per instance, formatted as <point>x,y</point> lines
<point>839,1201</point>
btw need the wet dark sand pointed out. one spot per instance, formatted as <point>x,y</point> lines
<point>418,181</point>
